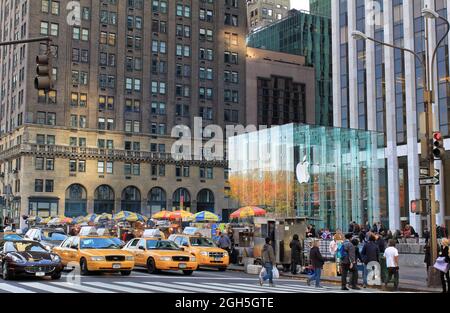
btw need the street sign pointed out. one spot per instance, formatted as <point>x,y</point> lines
<point>424,172</point>
<point>429,181</point>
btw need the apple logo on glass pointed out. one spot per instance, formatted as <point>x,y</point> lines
<point>303,172</point>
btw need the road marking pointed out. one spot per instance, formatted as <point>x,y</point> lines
<point>83,288</point>
<point>217,287</point>
<point>284,289</point>
<point>257,287</point>
<point>48,288</point>
<point>149,287</point>
<point>240,289</point>
<point>14,289</point>
<point>183,288</point>
<point>114,287</point>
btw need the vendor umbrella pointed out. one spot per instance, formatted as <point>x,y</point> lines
<point>62,220</point>
<point>163,215</point>
<point>79,220</point>
<point>90,218</point>
<point>102,218</point>
<point>205,216</point>
<point>180,215</point>
<point>126,216</point>
<point>248,211</point>
<point>35,219</point>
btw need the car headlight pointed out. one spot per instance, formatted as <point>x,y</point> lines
<point>165,258</point>
<point>48,248</point>
<point>16,259</point>
<point>129,258</point>
<point>204,253</point>
<point>97,258</point>
<point>225,254</point>
<point>193,259</point>
<point>55,257</point>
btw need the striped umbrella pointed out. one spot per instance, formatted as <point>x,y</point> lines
<point>126,216</point>
<point>61,220</point>
<point>248,211</point>
<point>163,215</point>
<point>104,217</point>
<point>180,215</point>
<point>205,216</point>
<point>79,220</point>
<point>90,218</point>
<point>35,219</point>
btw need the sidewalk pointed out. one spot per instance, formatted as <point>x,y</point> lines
<point>411,278</point>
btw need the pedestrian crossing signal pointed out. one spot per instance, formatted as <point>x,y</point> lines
<point>416,207</point>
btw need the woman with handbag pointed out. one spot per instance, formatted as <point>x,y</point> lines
<point>444,253</point>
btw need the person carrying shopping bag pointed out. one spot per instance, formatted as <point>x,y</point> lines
<point>268,260</point>
<point>317,263</point>
<point>442,264</point>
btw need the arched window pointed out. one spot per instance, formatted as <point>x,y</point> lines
<point>205,200</point>
<point>181,199</point>
<point>104,200</point>
<point>157,200</point>
<point>131,199</point>
<point>76,201</point>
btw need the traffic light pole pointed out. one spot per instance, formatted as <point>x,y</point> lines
<point>18,42</point>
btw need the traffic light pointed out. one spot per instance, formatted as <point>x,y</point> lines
<point>43,79</point>
<point>418,206</point>
<point>438,146</point>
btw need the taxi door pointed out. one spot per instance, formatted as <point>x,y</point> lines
<point>132,247</point>
<point>140,257</point>
<point>62,250</point>
<point>72,251</point>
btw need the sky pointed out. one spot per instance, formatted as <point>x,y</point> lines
<point>300,4</point>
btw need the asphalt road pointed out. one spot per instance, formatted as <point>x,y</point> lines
<point>202,281</point>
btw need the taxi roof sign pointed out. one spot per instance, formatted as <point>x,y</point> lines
<point>88,231</point>
<point>190,231</point>
<point>151,233</point>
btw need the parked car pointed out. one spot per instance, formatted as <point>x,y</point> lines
<point>30,258</point>
<point>49,237</point>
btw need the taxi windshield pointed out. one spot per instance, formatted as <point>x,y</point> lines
<point>52,235</point>
<point>98,243</point>
<point>24,247</point>
<point>201,242</point>
<point>12,237</point>
<point>161,245</point>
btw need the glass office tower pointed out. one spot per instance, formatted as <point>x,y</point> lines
<point>334,175</point>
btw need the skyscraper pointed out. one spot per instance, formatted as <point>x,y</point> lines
<point>379,88</point>
<point>125,73</point>
<point>320,7</point>
<point>261,13</point>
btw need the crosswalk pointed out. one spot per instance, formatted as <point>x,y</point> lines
<point>179,286</point>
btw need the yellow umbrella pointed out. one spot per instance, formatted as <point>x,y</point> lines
<point>180,215</point>
<point>163,215</point>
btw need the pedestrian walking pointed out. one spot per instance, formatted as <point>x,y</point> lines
<point>296,253</point>
<point>444,252</point>
<point>348,263</point>
<point>391,255</point>
<point>369,253</point>
<point>268,260</point>
<point>224,242</point>
<point>317,263</point>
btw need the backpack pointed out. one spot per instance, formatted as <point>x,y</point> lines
<point>342,252</point>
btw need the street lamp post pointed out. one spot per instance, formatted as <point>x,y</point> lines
<point>428,84</point>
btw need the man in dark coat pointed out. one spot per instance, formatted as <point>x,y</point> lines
<point>369,253</point>
<point>296,252</point>
<point>349,263</point>
<point>317,263</point>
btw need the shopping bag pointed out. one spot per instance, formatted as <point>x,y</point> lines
<point>441,265</point>
<point>262,273</point>
<point>275,273</point>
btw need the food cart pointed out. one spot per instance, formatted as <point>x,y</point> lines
<point>280,231</point>
<point>243,240</point>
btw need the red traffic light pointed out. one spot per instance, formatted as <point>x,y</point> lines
<point>437,136</point>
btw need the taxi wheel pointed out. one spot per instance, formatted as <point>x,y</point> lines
<point>188,272</point>
<point>151,266</point>
<point>125,273</point>
<point>83,268</point>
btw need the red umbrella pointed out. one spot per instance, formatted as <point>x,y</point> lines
<point>248,211</point>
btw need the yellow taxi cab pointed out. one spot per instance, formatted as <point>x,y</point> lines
<point>204,249</point>
<point>95,253</point>
<point>157,254</point>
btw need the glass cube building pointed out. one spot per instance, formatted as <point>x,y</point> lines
<point>308,35</point>
<point>332,175</point>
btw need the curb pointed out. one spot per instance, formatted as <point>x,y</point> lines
<point>328,280</point>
